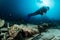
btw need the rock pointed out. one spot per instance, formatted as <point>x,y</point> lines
<point>47,37</point>
<point>2,22</point>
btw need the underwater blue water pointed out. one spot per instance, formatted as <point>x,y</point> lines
<point>21,8</point>
<point>29,6</point>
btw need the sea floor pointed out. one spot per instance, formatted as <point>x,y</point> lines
<point>51,34</point>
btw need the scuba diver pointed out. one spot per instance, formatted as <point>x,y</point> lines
<point>40,11</point>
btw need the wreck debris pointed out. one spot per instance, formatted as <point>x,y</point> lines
<point>43,27</point>
<point>17,31</point>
